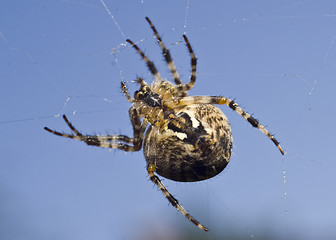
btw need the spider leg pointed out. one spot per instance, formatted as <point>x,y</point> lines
<point>234,106</point>
<point>155,179</point>
<point>110,141</point>
<point>180,90</point>
<point>149,63</point>
<point>166,54</point>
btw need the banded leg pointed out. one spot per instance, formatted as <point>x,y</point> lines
<point>182,88</point>
<point>109,141</point>
<point>234,106</point>
<point>149,63</point>
<point>166,54</point>
<point>155,179</point>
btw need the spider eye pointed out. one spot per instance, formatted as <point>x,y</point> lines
<point>139,95</point>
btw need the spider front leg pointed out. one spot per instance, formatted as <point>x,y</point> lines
<point>180,90</point>
<point>110,141</point>
<point>155,179</point>
<point>234,106</point>
<point>166,54</point>
<point>149,63</point>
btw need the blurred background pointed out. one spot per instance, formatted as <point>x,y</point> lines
<point>275,58</point>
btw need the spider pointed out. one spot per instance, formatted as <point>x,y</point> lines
<point>188,139</point>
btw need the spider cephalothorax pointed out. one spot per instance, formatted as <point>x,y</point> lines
<point>187,139</point>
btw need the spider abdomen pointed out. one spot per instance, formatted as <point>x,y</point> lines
<point>194,144</point>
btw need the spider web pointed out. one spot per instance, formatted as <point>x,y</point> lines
<point>276,59</point>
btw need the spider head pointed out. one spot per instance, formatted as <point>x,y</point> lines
<point>146,95</point>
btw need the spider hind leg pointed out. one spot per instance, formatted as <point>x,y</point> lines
<point>155,179</point>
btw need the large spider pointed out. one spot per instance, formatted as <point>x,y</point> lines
<point>188,139</point>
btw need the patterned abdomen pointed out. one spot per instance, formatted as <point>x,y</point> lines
<point>194,144</point>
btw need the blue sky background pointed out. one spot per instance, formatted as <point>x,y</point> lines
<point>276,58</point>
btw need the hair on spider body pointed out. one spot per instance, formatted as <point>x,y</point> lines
<point>184,138</point>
